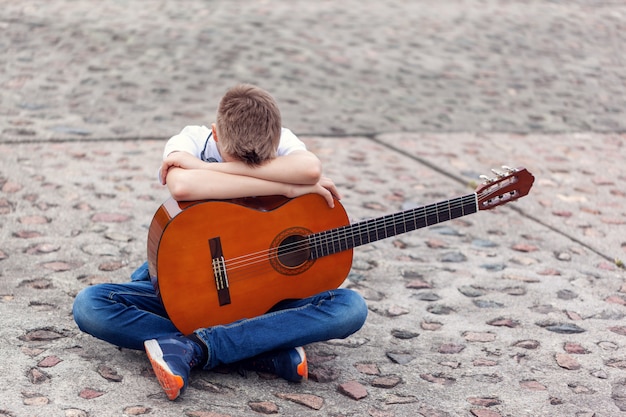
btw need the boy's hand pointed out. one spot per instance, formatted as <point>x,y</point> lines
<point>178,160</point>
<point>325,187</point>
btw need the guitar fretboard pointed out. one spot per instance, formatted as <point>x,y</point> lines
<point>367,231</point>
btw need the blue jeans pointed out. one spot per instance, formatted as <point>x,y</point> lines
<point>128,314</point>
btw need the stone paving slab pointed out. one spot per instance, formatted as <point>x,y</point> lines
<point>135,69</point>
<point>494,314</point>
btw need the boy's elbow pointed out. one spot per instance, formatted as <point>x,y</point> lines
<point>178,187</point>
<point>305,168</point>
<point>178,192</point>
<point>314,175</point>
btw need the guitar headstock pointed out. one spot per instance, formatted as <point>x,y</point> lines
<point>506,186</point>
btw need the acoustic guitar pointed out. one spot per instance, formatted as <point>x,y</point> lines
<point>217,261</point>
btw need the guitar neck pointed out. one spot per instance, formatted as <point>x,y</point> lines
<point>367,231</point>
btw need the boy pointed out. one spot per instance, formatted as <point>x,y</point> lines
<point>245,153</point>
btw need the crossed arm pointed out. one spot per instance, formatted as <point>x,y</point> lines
<point>300,172</point>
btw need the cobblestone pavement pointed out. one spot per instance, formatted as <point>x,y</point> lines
<point>517,311</point>
<point>84,69</point>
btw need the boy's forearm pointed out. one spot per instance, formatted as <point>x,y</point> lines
<point>202,184</point>
<point>301,167</point>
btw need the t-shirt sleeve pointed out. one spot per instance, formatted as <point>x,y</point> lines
<point>289,143</point>
<point>191,140</point>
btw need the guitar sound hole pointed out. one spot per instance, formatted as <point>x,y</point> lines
<point>293,251</point>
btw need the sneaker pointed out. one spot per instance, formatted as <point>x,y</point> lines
<point>172,359</point>
<point>289,364</point>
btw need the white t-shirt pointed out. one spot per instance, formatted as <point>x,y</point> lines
<point>198,141</point>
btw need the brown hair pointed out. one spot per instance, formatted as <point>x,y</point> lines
<point>249,124</point>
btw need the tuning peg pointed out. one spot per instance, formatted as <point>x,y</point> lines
<point>508,169</point>
<point>486,178</point>
<point>498,173</point>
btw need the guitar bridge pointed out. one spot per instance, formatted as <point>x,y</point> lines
<point>219,271</point>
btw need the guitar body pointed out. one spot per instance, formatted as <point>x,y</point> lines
<point>214,262</point>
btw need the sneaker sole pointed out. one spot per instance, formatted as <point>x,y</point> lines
<point>303,367</point>
<point>170,382</point>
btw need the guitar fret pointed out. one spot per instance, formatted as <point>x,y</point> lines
<point>372,235</point>
<point>457,211</point>
<point>431,218</point>
<point>337,241</point>
<point>314,246</point>
<point>473,206</point>
<point>344,240</point>
<point>328,252</point>
<point>443,212</point>
<point>318,246</point>
<point>375,229</point>
<point>396,225</point>
<point>422,220</point>
<point>409,225</point>
<point>386,227</point>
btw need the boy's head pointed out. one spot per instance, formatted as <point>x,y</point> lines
<point>248,125</point>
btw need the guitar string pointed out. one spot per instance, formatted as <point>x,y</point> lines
<point>337,235</point>
<point>330,238</point>
<point>248,266</point>
<point>333,235</point>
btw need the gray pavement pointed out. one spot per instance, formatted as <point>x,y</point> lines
<point>518,311</point>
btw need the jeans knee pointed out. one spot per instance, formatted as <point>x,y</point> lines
<point>360,308</point>
<point>83,308</point>
<point>355,310</point>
